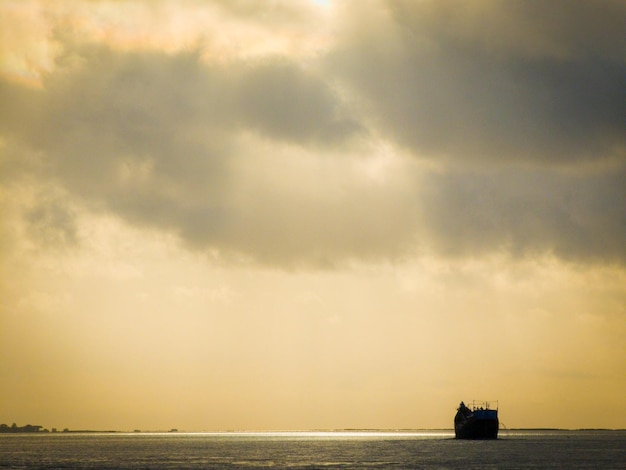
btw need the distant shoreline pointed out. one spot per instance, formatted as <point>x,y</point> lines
<point>30,429</point>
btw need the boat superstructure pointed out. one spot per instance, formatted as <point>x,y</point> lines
<point>477,420</point>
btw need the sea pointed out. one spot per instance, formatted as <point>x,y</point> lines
<point>542,449</point>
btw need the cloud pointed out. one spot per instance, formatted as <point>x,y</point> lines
<point>52,223</point>
<point>153,137</point>
<point>285,103</point>
<point>514,120</point>
<point>528,212</point>
<point>494,81</point>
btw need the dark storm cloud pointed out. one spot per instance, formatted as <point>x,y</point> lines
<point>498,80</point>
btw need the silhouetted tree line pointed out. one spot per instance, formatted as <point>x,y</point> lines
<point>15,428</point>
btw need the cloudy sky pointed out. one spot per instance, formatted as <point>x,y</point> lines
<point>298,214</point>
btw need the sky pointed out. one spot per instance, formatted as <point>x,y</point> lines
<point>298,214</point>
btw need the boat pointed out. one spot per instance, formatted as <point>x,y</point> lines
<point>476,421</point>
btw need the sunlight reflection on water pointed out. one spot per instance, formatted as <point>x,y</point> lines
<point>306,449</point>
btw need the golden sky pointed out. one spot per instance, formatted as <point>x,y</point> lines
<point>272,215</point>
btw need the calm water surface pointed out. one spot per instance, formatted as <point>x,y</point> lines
<point>428,449</point>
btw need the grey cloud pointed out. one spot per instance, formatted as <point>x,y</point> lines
<point>152,137</point>
<point>324,225</point>
<point>524,104</point>
<point>157,139</point>
<point>564,29</point>
<point>52,224</point>
<point>472,81</point>
<point>281,101</point>
<point>526,212</point>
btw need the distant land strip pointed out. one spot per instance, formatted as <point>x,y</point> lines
<point>35,428</point>
<point>30,428</point>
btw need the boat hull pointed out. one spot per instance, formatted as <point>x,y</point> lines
<point>480,424</point>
